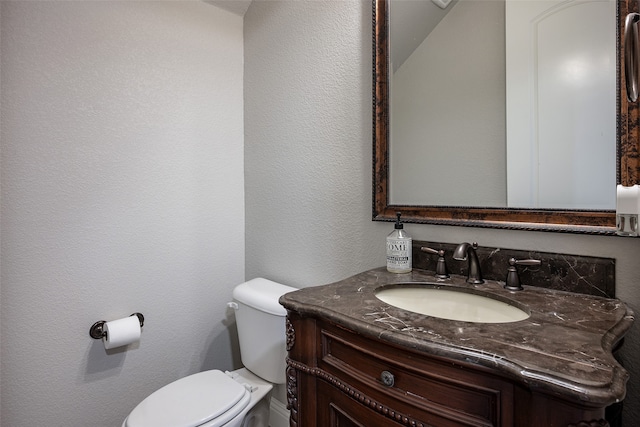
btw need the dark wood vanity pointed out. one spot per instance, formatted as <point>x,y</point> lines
<point>356,361</point>
<point>335,377</point>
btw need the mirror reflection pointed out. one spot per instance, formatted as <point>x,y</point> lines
<point>503,103</point>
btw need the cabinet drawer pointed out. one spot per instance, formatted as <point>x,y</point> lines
<point>335,409</point>
<point>436,390</point>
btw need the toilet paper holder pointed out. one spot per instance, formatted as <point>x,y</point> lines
<point>97,329</point>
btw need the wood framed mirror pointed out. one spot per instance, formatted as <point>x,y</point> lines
<point>560,220</point>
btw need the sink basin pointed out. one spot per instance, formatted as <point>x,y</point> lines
<point>451,304</point>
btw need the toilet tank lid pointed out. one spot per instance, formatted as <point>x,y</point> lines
<point>262,294</point>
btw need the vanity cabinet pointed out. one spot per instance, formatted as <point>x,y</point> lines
<point>355,360</point>
<point>339,378</point>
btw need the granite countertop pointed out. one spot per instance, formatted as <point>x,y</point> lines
<point>564,347</point>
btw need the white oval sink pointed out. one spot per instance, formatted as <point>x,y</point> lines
<point>450,304</point>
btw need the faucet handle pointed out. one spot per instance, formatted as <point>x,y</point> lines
<point>513,280</point>
<point>441,266</point>
<point>514,261</point>
<point>428,250</point>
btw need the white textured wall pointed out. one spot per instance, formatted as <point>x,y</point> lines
<point>308,140</point>
<point>122,191</point>
<point>308,162</point>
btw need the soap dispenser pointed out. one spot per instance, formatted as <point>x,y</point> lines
<point>399,249</point>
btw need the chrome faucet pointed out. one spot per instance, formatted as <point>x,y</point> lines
<point>464,252</point>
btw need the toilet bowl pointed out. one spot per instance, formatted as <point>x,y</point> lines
<point>231,399</point>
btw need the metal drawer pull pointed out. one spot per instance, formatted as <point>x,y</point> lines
<point>631,56</point>
<point>387,378</point>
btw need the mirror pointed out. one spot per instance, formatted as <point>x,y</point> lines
<point>597,218</point>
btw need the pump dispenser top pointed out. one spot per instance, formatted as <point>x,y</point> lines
<point>399,225</point>
<point>399,259</point>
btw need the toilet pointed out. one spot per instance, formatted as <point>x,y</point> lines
<point>231,399</point>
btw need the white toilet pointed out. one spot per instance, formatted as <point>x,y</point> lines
<point>231,399</point>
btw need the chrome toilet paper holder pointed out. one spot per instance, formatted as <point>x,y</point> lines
<point>97,329</point>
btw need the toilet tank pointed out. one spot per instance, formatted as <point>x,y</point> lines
<point>260,320</point>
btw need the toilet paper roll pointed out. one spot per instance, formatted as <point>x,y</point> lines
<point>121,332</point>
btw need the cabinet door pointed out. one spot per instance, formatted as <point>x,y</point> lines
<point>336,409</point>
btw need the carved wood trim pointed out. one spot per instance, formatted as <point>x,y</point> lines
<point>354,394</point>
<point>568,221</point>
<point>291,334</point>
<point>592,423</point>
<point>292,394</point>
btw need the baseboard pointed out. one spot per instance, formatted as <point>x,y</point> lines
<point>279,416</point>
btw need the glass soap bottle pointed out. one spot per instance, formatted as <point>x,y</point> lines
<point>399,249</point>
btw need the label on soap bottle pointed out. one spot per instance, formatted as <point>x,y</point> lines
<point>399,255</point>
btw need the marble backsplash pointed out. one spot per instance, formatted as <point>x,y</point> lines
<point>571,273</point>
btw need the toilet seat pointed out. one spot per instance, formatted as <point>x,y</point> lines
<point>209,398</point>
